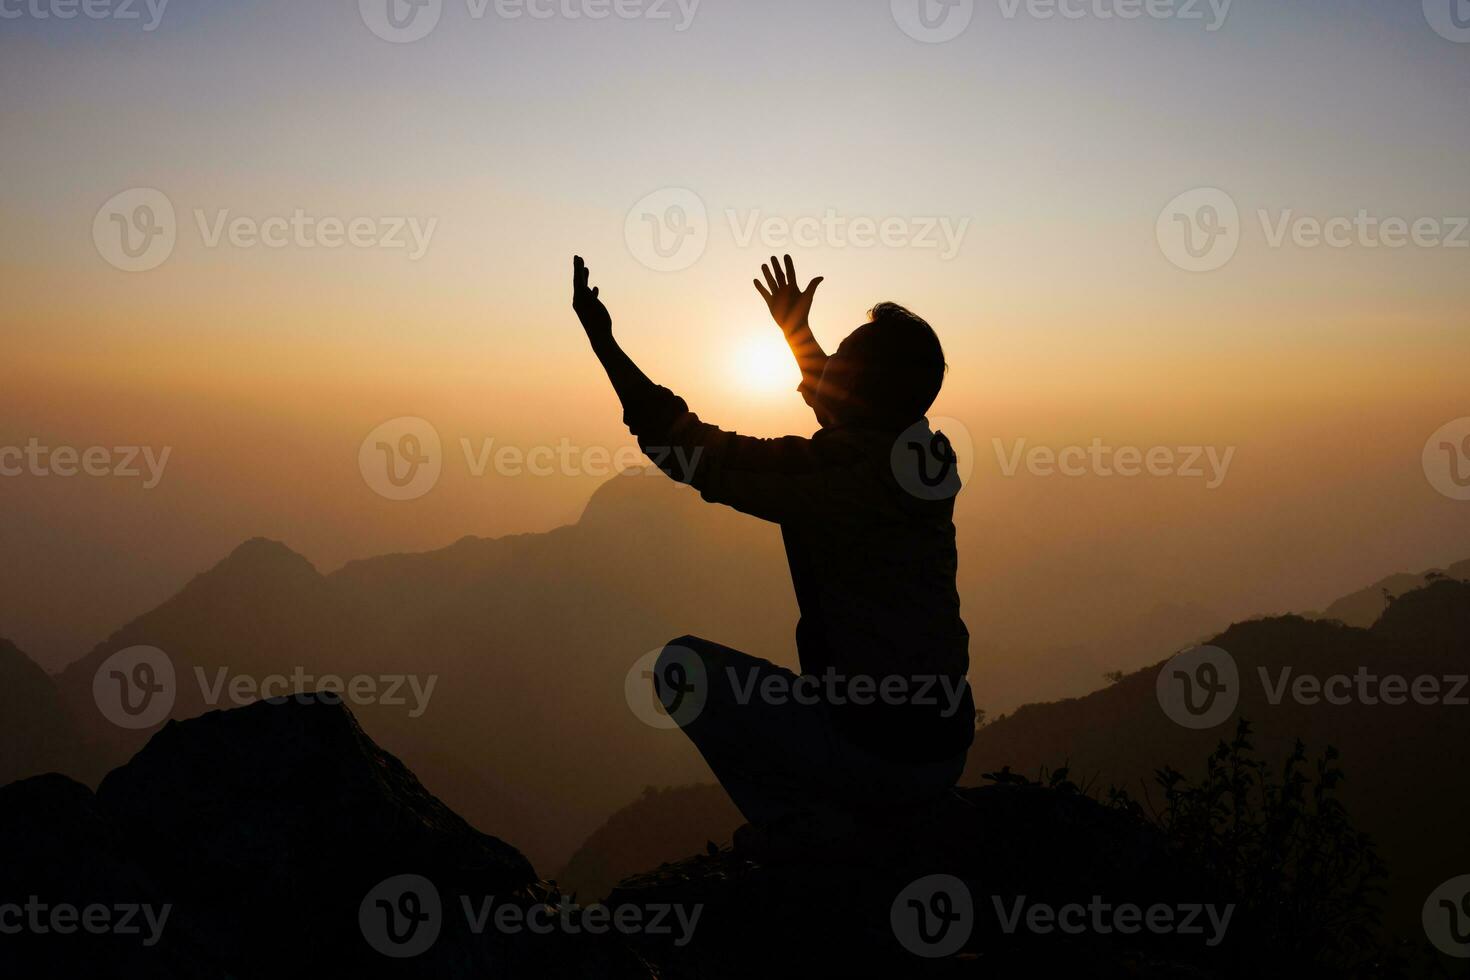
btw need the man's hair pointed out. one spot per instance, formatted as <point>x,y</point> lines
<point>900,364</point>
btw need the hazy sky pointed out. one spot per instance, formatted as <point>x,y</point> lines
<point>1046,147</point>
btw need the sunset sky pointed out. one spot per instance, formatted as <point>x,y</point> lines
<point>1054,144</point>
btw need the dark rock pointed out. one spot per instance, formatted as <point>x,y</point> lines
<point>59,851</point>
<point>278,818</point>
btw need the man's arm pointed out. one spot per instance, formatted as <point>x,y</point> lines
<point>630,383</point>
<point>655,415</point>
<point>791,308</point>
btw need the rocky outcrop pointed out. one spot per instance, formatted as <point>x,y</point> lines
<point>76,900</point>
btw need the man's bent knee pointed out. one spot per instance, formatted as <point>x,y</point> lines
<point>680,679</point>
<point>693,676</point>
<point>679,652</point>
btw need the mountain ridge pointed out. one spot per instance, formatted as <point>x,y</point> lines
<point>511,631</point>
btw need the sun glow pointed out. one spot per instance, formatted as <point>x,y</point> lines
<point>763,365</point>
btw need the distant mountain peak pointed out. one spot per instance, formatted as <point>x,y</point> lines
<point>631,495</point>
<point>258,560</point>
<point>260,551</point>
<point>35,732</point>
<point>15,663</point>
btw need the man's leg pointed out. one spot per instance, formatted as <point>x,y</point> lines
<point>761,732</point>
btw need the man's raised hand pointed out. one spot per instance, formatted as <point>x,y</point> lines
<point>631,384</point>
<point>790,306</point>
<point>594,316</point>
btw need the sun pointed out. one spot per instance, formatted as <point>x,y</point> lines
<point>762,364</point>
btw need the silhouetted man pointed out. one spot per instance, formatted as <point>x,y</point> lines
<point>881,715</point>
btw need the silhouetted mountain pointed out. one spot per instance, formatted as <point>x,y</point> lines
<point>1402,760</point>
<point>1362,608</point>
<point>36,733</point>
<point>1165,626</point>
<point>261,602</point>
<point>528,641</point>
<point>659,826</point>
<point>255,839</point>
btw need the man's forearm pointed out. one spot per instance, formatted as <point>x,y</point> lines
<point>810,357</point>
<point>628,380</point>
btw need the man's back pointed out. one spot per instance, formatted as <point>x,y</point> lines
<point>875,571</point>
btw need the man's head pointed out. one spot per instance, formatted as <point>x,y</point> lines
<point>886,373</point>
